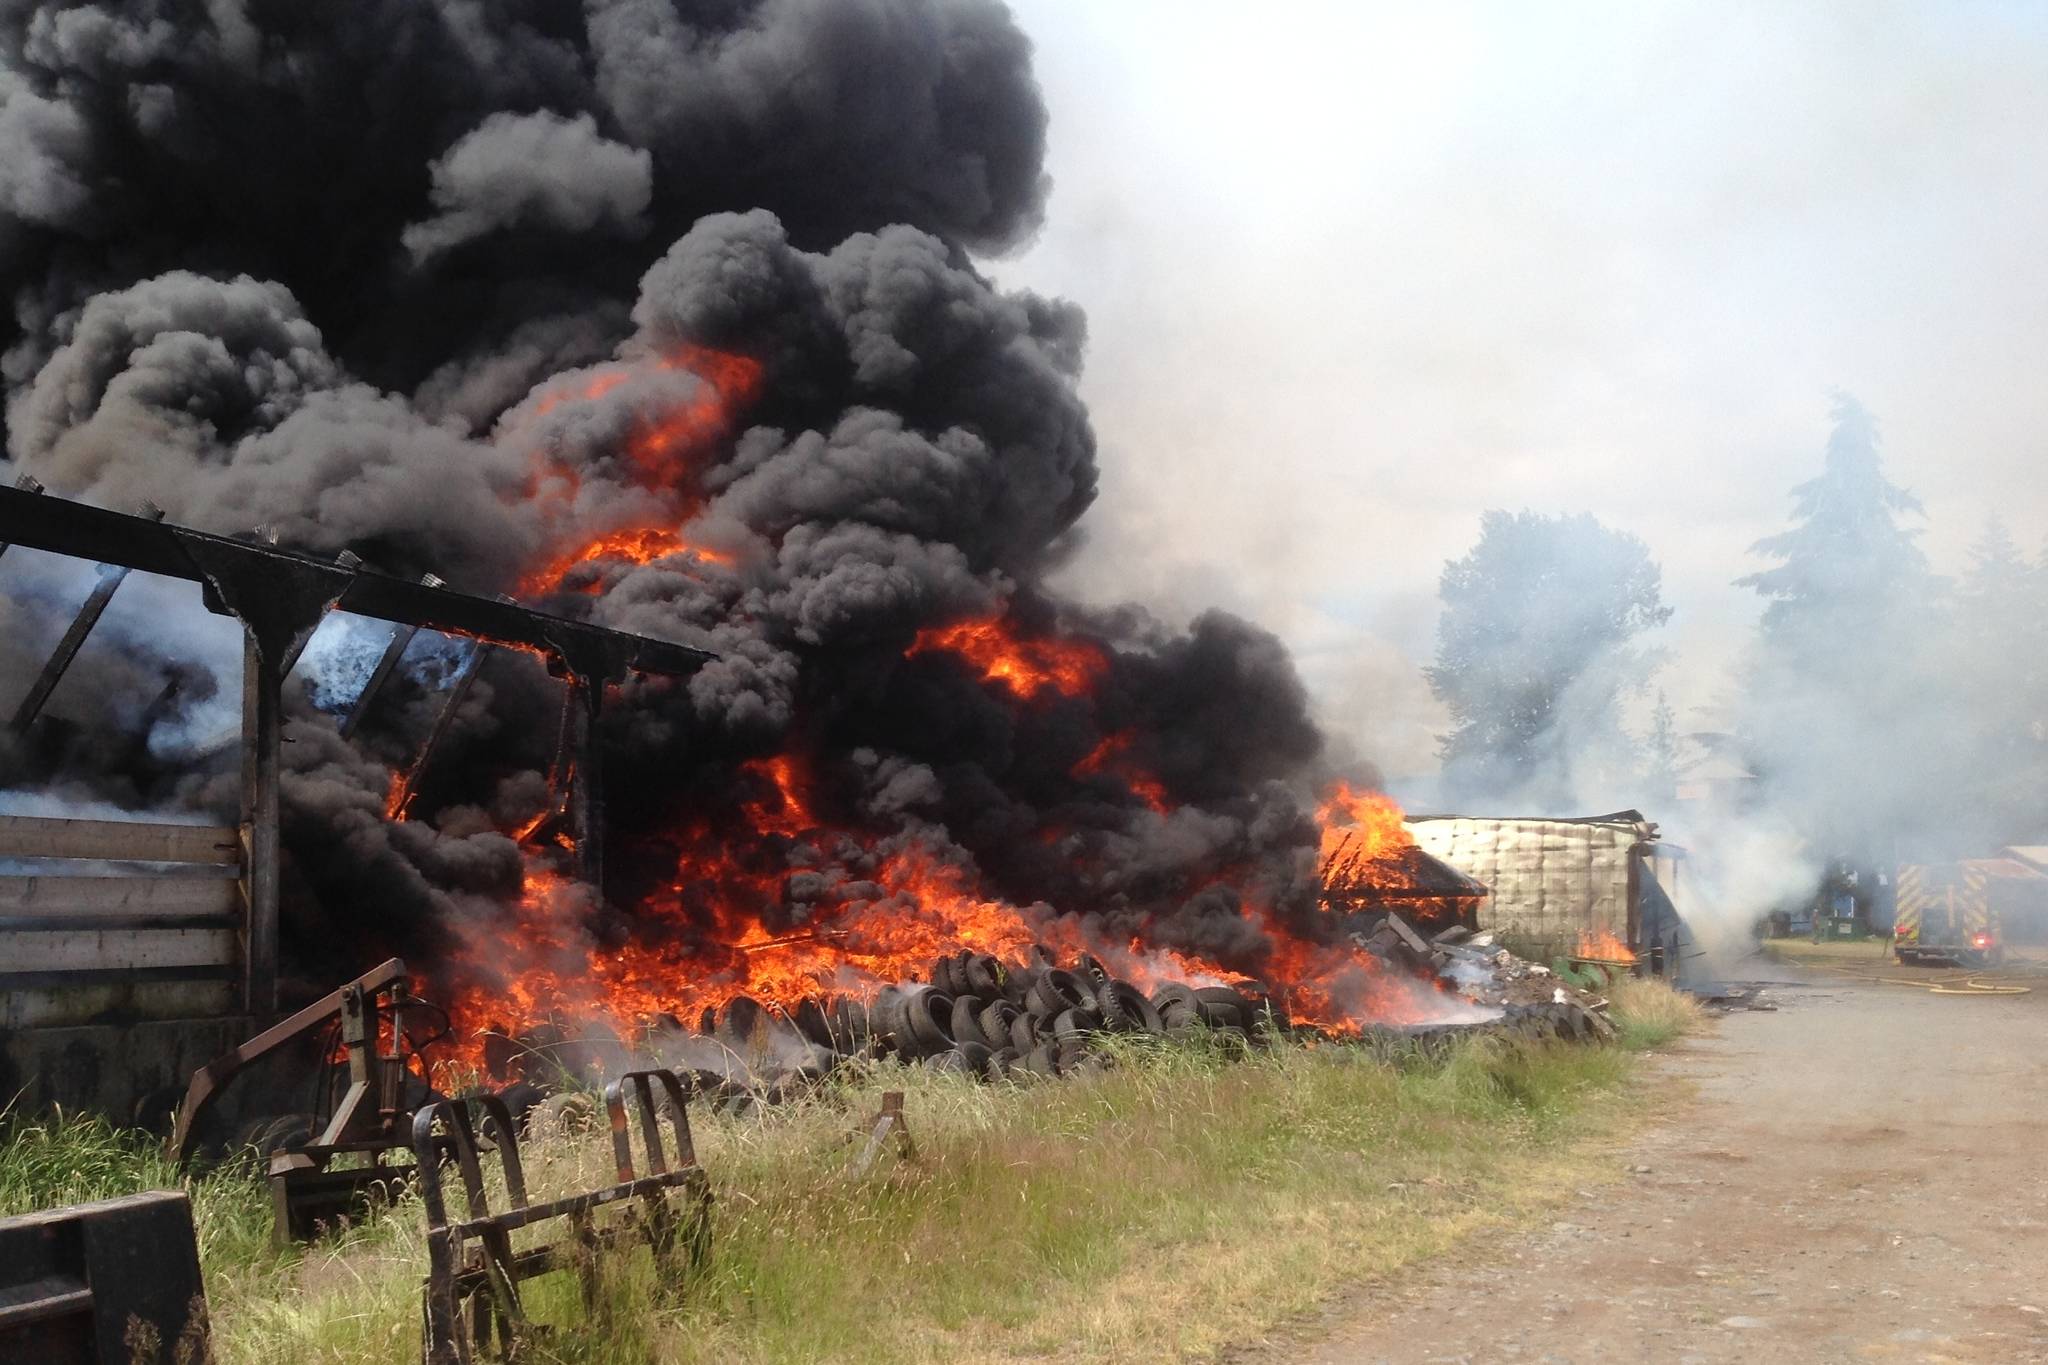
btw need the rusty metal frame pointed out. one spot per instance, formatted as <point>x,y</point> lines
<point>471,1297</point>
<point>209,1080</point>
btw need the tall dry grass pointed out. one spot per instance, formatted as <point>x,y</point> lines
<point>1184,1198</point>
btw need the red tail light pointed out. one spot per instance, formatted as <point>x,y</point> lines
<point>1980,940</point>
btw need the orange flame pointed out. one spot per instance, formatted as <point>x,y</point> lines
<point>665,454</point>
<point>1364,838</point>
<point>1603,945</point>
<point>1023,666</point>
<point>1113,756</point>
<point>725,926</point>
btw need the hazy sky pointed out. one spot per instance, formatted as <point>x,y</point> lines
<point>1355,273</point>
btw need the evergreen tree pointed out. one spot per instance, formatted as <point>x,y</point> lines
<point>1535,649</point>
<point>1847,568</point>
<point>1999,651</point>
<point>1837,701</point>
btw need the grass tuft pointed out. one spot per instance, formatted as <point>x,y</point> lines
<point>1647,1012</point>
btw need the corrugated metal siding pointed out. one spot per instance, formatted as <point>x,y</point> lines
<point>1550,879</point>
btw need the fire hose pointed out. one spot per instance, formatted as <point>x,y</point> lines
<point>1970,985</point>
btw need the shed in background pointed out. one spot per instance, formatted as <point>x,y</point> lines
<point>1588,885</point>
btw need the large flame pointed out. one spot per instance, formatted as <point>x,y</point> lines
<point>718,930</point>
<point>1365,835</point>
<point>775,899</point>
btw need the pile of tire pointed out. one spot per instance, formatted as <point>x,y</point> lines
<point>975,1015</point>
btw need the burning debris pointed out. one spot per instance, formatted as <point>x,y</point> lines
<point>976,1014</point>
<point>588,344</point>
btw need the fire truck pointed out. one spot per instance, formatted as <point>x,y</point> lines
<point>1945,914</point>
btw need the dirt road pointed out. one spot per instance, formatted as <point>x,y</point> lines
<point>1859,1176</point>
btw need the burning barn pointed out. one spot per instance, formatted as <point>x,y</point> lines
<point>1599,887</point>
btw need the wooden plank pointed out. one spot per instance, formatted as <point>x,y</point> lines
<point>125,897</point>
<point>60,1006</point>
<point>116,949</point>
<point>29,836</point>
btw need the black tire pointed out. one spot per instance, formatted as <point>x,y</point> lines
<point>994,1022</point>
<point>927,1022</point>
<point>1170,992</point>
<point>1024,1032</point>
<point>1220,1007</point>
<point>965,1021</point>
<point>273,1133</point>
<point>982,975</point>
<point>1002,1064</point>
<point>852,1027</point>
<point>1017,984</point>
<point>942,977</point>
<point>975,1058</point>
<point>1057,992</point>
<point>1180,1014</point>
<point>1042,1060</point>
<point>814,1021</point>
<point>1072,1026</point>
<point>947,1061</point>
<point>738,1019</point>
<point>1135,1011</point>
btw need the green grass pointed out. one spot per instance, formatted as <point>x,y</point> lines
<point>1648,1013</point>
<point>1182,1200</point>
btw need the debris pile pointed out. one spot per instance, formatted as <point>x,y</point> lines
<point>977,1015</point>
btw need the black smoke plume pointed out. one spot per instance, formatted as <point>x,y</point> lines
<point>469,287</point>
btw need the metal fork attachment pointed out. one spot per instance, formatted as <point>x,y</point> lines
<point>471,1306</point>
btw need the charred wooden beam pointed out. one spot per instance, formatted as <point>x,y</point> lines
<point>81,626</point>
<point>27,483</point>
<point>71,528</point>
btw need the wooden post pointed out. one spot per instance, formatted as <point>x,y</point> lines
<point>586,782</point>
<point>262,753</point>
<point>279,606</point>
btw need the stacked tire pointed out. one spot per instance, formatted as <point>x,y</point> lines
<point>974,1015</point>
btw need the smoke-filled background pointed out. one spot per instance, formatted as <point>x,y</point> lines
<point>1460,358</point>
<point>1579,260</point>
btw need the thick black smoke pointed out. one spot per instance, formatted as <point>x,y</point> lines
<point>465,287</point>
<point>428,176</point>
